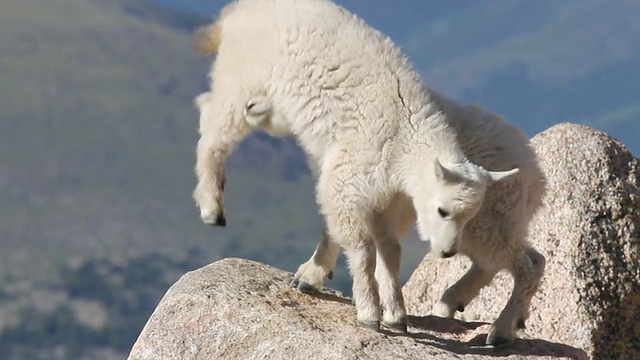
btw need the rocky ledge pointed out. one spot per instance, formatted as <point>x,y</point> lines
<point>588,305</point>
<point>240,309</point>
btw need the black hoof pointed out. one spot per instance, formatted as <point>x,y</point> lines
<point>371,325</point>
<point>306,287</point>
<point>460,308</point>
<point>401,326</point>
<point>221,220</point>
<point>330,275</point>
<point>498,341</point>
<point>448,254</point>
<point>520,324</point>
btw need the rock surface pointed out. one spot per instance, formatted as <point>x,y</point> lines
<point>240,309</point>
<point>589,232</point>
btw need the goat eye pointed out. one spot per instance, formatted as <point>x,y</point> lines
<point>443,213</point>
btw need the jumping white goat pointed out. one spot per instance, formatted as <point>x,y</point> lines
<point>387,152</point>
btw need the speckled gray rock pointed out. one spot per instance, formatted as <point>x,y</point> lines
<point>240,309</point>
<point>589,232</point>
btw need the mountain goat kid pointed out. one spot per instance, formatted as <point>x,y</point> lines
<point>386,150</point>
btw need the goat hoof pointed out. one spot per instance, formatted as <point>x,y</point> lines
<point>443,310</point>
<point>520,324</point>
<point>371,325</point>
<point>460,308</point>
<point>218,220</point>
<point>399,326</point>
<point>498,340</point>
<point>330,275</point>
<point>294,282</point>
<point>221,220</point>
<point>213,219</point>
<point>305,287</point>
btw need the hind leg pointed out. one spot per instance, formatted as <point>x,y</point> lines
<point>539,262</point>
<point>527,268</point>
<point>460,294</point>
<point>310,275</point>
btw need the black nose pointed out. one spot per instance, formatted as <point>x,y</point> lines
<point>221,220</point>
<point>448,254</point>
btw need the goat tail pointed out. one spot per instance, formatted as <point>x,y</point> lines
<point>206,39</point>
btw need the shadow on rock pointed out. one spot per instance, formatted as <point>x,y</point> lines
<point>331,296</point>
<point>470,337</point>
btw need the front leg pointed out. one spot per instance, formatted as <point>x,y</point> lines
<point>527,269</point>
<point>310,275</point>
<point>460,294</point>
<point>347,207</point>
<point>362,263</point>
<point>388,252</point>
<point>390,226</point>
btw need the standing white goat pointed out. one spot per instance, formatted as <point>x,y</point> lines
<point>386,150</point>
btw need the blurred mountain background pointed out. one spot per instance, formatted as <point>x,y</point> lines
<point>98,134</point>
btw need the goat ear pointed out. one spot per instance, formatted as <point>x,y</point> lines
<point>499,175</point>
<point>439,169</point>
<point>444,174</point>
